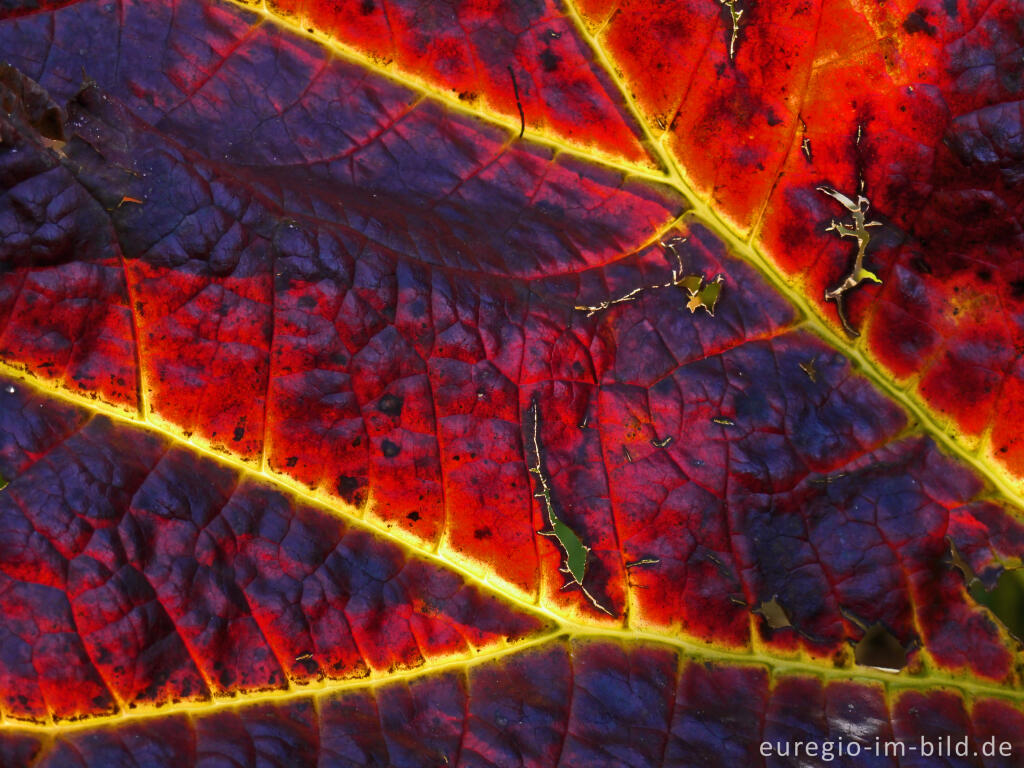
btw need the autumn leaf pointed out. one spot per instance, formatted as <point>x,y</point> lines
<point>460,384</point>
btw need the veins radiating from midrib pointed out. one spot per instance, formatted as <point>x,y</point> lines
<point>319,692</point>
<point>558,626</point>
<point>744,247</point>
<point>675,177</point>
<point>815,324</point>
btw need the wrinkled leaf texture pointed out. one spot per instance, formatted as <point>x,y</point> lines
<point>283,289</point>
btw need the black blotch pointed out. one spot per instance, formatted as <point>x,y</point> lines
<point>352,489</point>
<point>1017,288</point>
<point>291,461</point>
<point>390,449</point>
<point>482,533</point>
<point>367,7</point>
<point>414,516</point>
<point>549,60</point>
<point>390,404</point>
<point>306,302</point>
<point>949,6</point>
<point>239,433</point>
<point>917,22</point>
<point>984,275</point>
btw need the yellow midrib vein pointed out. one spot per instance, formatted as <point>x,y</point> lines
<point>778,669</point>
<point>813,319</point>
<point>674,177</point>
<point>560,625</point>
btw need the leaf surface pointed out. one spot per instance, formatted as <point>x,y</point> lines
<point>916,106</point>
<point>317,353</point>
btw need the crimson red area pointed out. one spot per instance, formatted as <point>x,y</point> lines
<point>316,270</point>
<point>729,120</point>
<point>136,573</point>
<point>374,321</point>
<point>64,319</point>
<point>929,143</point>
<point>294,311</point>
<point>917,107</point>
<point>601,704</point>
<point>490,55</point>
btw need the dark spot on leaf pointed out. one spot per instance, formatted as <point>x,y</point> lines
<point>917,22</point>
<point>390,404</point>
<point>291,461</point>
<point>549,60</point>
<point>390,449</point>
<point>414,516</point>
<point>352,489</point>
<point>366,7</point>
<point>239,433</point>
<point>482,533</point>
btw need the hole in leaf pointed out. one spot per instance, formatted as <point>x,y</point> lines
<point>774,614</point>
<point>879,648</point>
<point>1005,599</point>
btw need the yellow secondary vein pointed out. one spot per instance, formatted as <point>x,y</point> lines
<point>691,649</point>
<point>676,178</point>
<point>1011,488</point>
<point>968,689</point>
<point>444,95</point>
<point>283,696</point>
